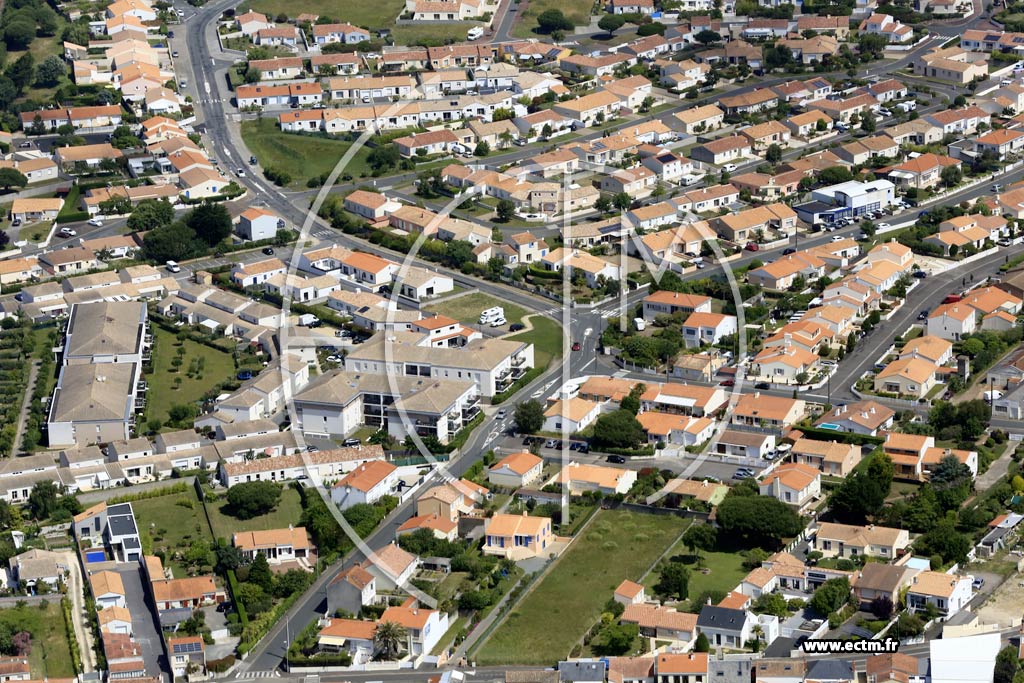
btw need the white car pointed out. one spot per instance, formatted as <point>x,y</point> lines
<point>730,167</point>
<point>173,267</point>
<point>67,232</point>
<point>837,238</point>
<point>883,226</point>
<point>498,322</point>
<point>98,222</point>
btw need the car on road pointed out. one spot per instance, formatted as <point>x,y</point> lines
<point>752,246</point>
<point>920,274</point>
<point>67,232</point>
<point>617,459</point>
<point>175,54</point>
<point>269,251</point>
<point>351,442</point>
<point>244,375</point>
<point>98,222</point>
<point>762,385</point>
<point>923,315</point>
<point>173,267</point>
<point>730,167</point>
<point>550,443</point>
<point>241,173</point>
<point>977,583</point>
<point>576,346</point>
<point>952,299</point>
<point>500,415</point>
<point>727,383</point>
<point>788,250</point>
<point>883,226</point>
<point>515,327</point>
<point>837,238</point>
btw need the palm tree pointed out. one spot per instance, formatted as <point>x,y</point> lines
<point>505,138</point>
<point>389,638</point>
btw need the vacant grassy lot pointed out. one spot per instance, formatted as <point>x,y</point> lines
<point>546,336</point>
<point>288,511</point>
<point>164,388</point>
<point>467,308</point>
<point>724,572</point>
<point>368,13</point>
<point>300,156</point>
<point>432,35</point>
<point>171,523</point>
<point>554,616</point>
<point>576,11</point>
<point>51,652</point>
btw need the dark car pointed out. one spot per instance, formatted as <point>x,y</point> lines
<point>351,442</point>
<point>576,346</point>
<point>920,274</point>
<point>269,251</point>
<point>762,385</point>
<point>244,375</point>
<point>223,606</point>
<point>515,327</point>
<point>252,160</point>
<point>618,459</point>
<point>787,251</point>
<point>923,315</point>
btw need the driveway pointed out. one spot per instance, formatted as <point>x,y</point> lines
<point>144,620</point>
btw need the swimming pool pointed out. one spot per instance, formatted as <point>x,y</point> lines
<point>829,426</point>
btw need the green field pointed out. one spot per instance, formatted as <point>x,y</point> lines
<point>163,390</point>
<point>724,572</point>
<point>51,653</point>
<point>171,523</point>
<point>546,336</point>
<point>547,623</point>
<point>300,156</point>
<point>467,308</point>
<point>287,512</point>
<point>576,11</point>
<point>432,35</point>
<point>366,13</point>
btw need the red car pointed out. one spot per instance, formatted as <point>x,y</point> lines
<point>951,299</point>
<point>752,246</point>
<point>727,383</point>
<point>576,346</point>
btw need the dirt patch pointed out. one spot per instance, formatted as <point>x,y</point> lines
<point>1006,603</point>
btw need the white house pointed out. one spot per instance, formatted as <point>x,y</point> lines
<point>368,483</point>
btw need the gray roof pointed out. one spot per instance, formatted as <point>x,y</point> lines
<point>583,670</point>
<point>712,616</point>
<point>97,392</point>
<point>829,670</point>
<point>104,327</point>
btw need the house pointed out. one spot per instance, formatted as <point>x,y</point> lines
<point>725,627</point>
<point>426,144</point>
<point>947,593</point>
<point>256,223</point>
<point>631,6</point>
<point>186,653</point>
<point>441,528</point>
<point>570,416</point>
<point>424,628</point>
<point>906,377</point>
<point>353,636</point>
<point>676,429</point>
<point>691,667</point>
<point>31,568</point>
<point>763,410</point>
<point>929,348</point>
<point>630,593</point>
<point>351,589</point>
<point>793,483</point>
<point>517,537</point>
<point>952,321</point>
<point>951,64</point>
<point>722,150</point>
<point>786,363</point>
<point>107,589</point>
<point>861,417</point>
<point>368,483</point>
<point>831,458</point>
<point>663,623</point>
<point>664,302</point>
<point>707,329</point>
<point>921,172</point>
<point>34,209</point>
<point>392,567</point>
<point>516,470</point>
<point>752,102</point>
<point>276,545</point>
<point>701,119</point>
<point>763,135</point>
<point>847,540</point>
<point>881,581</point>
<point>886,25</point>
<point>579,477</point>
<point>325,34</point>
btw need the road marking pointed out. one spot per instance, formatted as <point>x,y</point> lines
<point>206,84</point>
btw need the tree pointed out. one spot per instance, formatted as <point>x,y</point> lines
<point>482,149</point>
<point>389,638</point>
<point>631,401</point>
<point>19,34</point>
<point>867,122</point>
<point>831,596</point>
<point>253,598</point>
<point>503,114</point>
<point>674,582</point>
<point>12,177</point>
<point>702,644</point>
<point>951,175</point>
<point>615,639</point>
<point>149,214</point>
<point>210,222</point>
<point>610,23</point>
<point>23,72</point>
<point>174,242</point>
<point>383,158</point>
<point>946,542</point>
<point>654,28</point>
<point>253,498</point>
<point>552,20</point>
<point>821,126</point>
<point>835,175</point>
<point>1007,665</point>
<point>529,417</point>
<point>773,154</point>
<point>622,201</point>
<point>882,607</point>
<point>707,36</point>
<point>700,537</point>
<point>857,498</point>
<point>259,573</point>
<point>228,557</point>
<point>43,500</point>
<point>618,429</point>
<point>506,209</point>
<point>603,204</point>
<point>758,520</point>
<point>50,71</point>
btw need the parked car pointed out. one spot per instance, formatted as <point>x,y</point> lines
<point>617,459</point>
<point>727,383</point>
<point>67,232</point>
<point>730,167</point>
<point>244,375</point>
<point>98,222</point>
<point>883,226</point>
<point>269,251</point>
<point>550,443</point>
<point>923,315</point>
<point>576,346</point>
<point>762,385</point>
<point>920,274</point>
<point>351,442</point>
<point>788,250</point>
<point>752,246</point>
<point>515,327</point>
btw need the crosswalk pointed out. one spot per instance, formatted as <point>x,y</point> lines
<point>213,100</point>
<point>257,674</point>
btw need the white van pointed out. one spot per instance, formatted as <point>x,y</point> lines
<point>474,33</point>
<point>640,324</point>
<point>173,266</point>
<point>491,314</point>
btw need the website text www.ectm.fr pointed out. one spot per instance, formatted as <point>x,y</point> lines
<point>847,647</point>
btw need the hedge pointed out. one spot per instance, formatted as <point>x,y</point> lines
<point>69,626</point>
<point>180,487</point>
<point>73,216</point>
<point>533,374</point>
<point>819,434</point>
<point>243,617</point>
<point>219,666</point>
<point>258,627</point>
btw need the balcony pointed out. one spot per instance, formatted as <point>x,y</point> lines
<point>469,412</point>
<point>503,374</point>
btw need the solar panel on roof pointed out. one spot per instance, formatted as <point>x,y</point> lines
<point>189,647</point>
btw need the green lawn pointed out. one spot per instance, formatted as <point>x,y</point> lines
<point>725,571</point>
<point>467,308</point>
<point>288,511</point>
<point>546,336</point>
<point>576,11</point>
<point>432,35</point>
<point>165,390</point>
<point>546,624</point>
<point>368,13</point>
<point>51,651</point>
<point>171,523</point>
<point>300,156</point>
